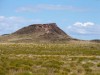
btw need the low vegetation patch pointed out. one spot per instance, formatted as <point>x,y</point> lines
<point>50,59</point>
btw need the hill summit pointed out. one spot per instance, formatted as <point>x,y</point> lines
<point>38,33</point>
<point>38,28</point>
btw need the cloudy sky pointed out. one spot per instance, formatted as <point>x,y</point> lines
<point>78,18</point>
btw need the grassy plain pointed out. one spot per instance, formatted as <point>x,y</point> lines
<point>50,59</point>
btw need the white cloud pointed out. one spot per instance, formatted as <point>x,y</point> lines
<point>86,24</point>
<point>2,18</point>
<point>12,23</point>
<point>42,7</point>
<point>84,28</point>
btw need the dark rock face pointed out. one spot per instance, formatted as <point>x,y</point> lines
<point>46,28</point>
<point>46,31</point>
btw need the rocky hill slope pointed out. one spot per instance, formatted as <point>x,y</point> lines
<point>37,33</point>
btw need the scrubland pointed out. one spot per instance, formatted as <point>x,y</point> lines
<point>50,59</point>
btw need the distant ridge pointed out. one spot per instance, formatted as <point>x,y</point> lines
<point>96,40</point>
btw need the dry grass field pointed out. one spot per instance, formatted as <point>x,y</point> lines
<point>74,58</point>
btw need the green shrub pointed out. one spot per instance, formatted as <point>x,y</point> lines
<point>98,65</point>
<point>24,73</point>
<point>52,64</point>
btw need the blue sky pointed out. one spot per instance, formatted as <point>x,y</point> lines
<point>78,18</point>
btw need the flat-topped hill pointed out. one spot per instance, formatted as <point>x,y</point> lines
<point>37,33</point>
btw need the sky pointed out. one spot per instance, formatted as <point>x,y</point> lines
<point>78,18</point>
